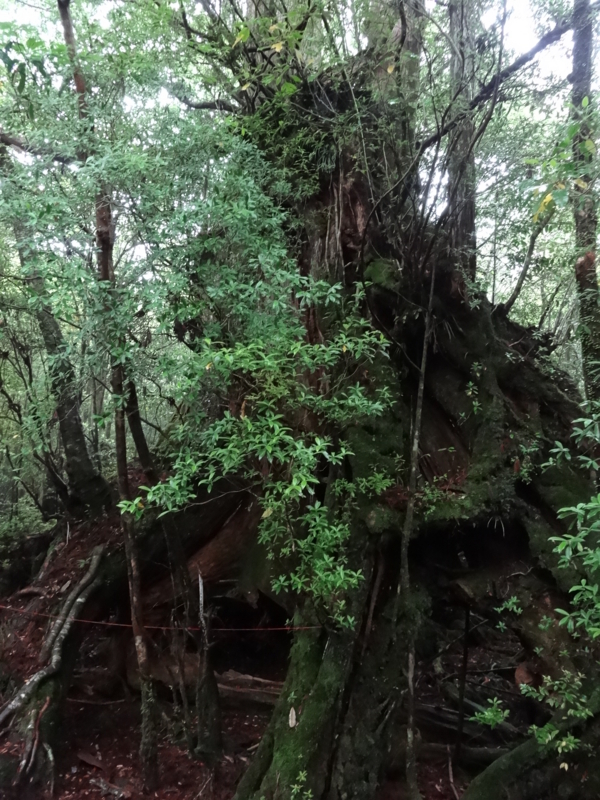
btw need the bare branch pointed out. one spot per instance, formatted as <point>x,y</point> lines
<point>18,143</point>
<point>492,86</point>
<point>489,91</point>
<point>541,226</point>
<point>209,105</point>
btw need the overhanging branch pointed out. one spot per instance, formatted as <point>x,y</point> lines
<point>539,228</point>
<point>209,105</point>
<point>491,87</point>
<point>17,143</point>
<point>487,92</point>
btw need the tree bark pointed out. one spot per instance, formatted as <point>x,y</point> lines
<point>461,162</point>
<point>137,432</point>
<point>87,488</point>
<point>584,207</point>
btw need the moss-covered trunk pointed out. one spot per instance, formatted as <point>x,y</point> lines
<point>331,731</point>
<point>493,408</point>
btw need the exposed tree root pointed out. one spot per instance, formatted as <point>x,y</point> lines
<point>84,589</point>
<point>58,624</point>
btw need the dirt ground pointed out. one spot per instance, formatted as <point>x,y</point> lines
<point>100,741</point>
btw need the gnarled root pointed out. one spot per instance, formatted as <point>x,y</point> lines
<point>58,634</point>
<point>40,700</point>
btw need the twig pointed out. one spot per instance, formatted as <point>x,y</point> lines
<point>539,228</point>
<point>451,774</point>
<point>109,788</point>
<point>208,105</point>
<point>463,680</point>
<point>50,757</point>
<point>374,596</point>
<point>27,749</point>
<point>30,590</point>
<point>204,785</point>
<point>36,735</point>
<point>95,702</point>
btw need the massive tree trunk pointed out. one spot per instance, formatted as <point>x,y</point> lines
<point>487,407</point>
<point>486,403</point>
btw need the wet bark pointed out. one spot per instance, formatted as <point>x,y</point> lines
<point>331,730</point>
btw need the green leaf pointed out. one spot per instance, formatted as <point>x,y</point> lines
<point>561,197</point>
<point>242,36</point>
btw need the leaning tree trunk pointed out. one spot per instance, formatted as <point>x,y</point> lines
<point>87,488</point>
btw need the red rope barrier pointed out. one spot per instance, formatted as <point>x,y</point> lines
<point>39,615</point>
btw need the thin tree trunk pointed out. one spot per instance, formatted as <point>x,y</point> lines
<point>105,247</point>
<point>584,208</point>
<point>137,431</point>
<point>87,487</point>
<point>461,164</point>
<point>148,744</point>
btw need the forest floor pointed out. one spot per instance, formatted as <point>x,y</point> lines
<point>99,758</point>
<point>100,739</point>
<point>100,730</point>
